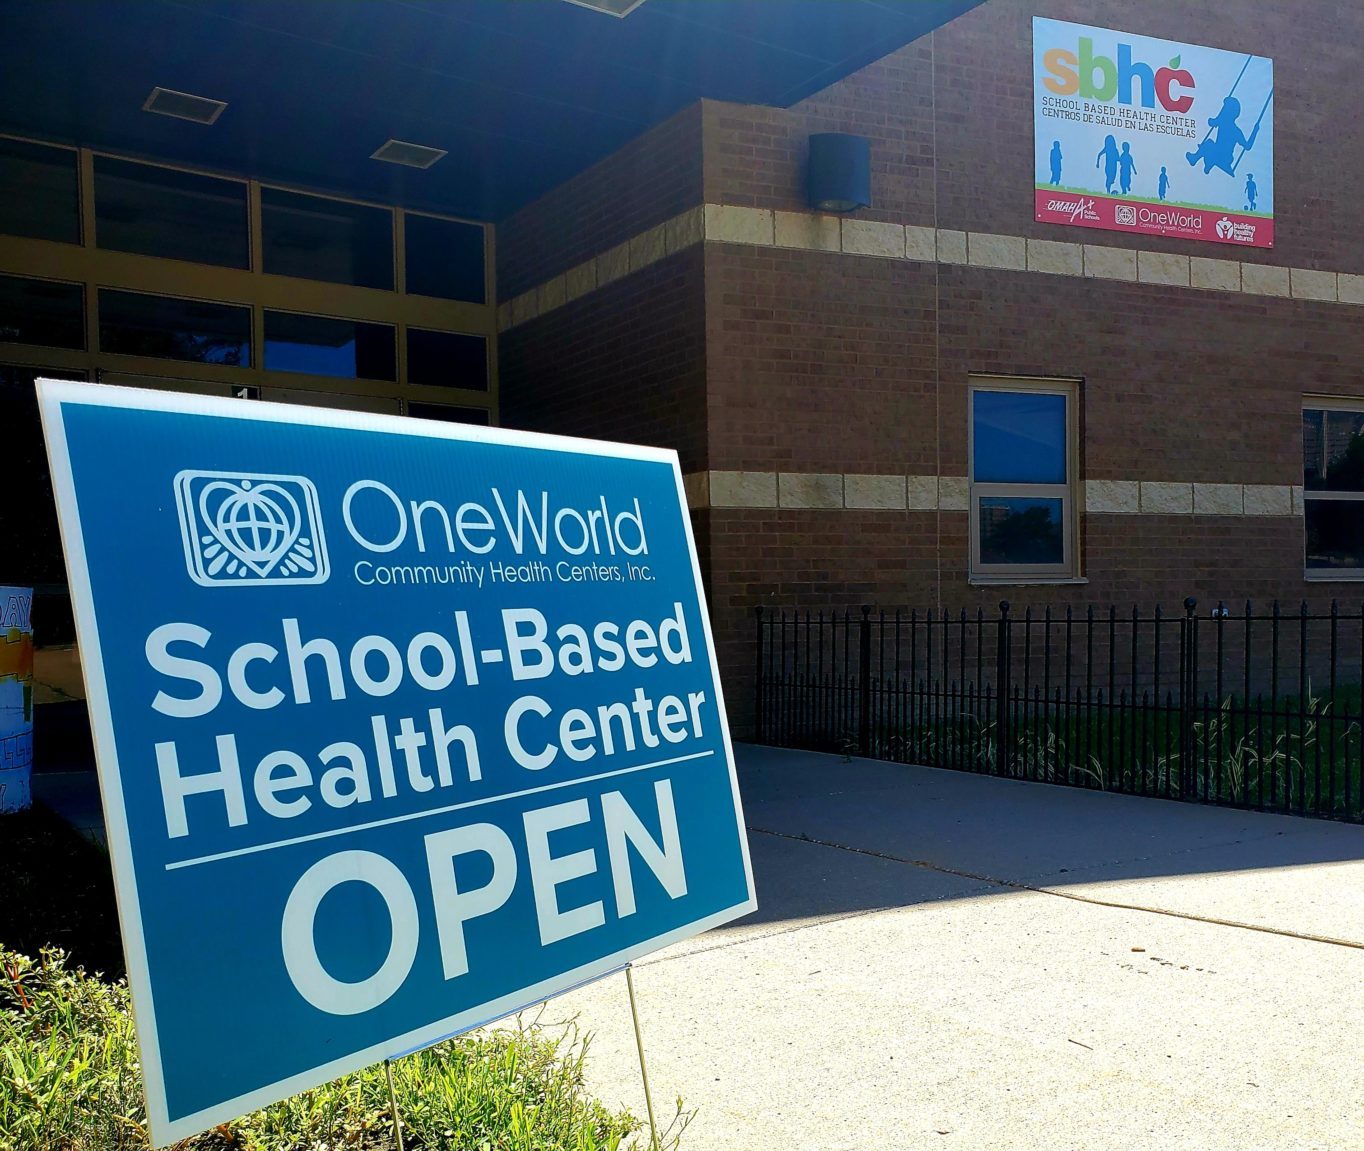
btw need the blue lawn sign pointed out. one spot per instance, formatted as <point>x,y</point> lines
<point>401,727</point>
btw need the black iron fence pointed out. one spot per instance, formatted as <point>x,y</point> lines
<point>1239,707</point>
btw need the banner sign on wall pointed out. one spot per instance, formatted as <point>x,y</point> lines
<point>1134,134</point>
<point>401,726</point>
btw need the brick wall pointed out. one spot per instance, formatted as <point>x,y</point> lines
<point>626,362</point>
<point>759,358</point>
<point>650,180</point>
<point>951,124</point>
<point>984,116</point>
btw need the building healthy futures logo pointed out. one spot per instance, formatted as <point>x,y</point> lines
<point>247,528</point>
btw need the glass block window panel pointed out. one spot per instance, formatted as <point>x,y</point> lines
<point>323,346</point>
<point>1333,489</point>
<point>1021,481</point>
<point>447,359</point>
<point>449,413</point>
<point>39,192</point>
<point>444,258</point>
<point>177,215</point>
<point>1021,531</point>
<point>42,312</point>
<point>1019,438</point>
<point>166,327</point>
<point>320,239</point>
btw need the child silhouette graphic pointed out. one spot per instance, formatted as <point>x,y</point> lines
<point>1251,192</point>
<point>1108,156</point>
<point>1219,146</point>
<point>1128,166</point>
<point>1163,185</point>
<point>1056,161</point>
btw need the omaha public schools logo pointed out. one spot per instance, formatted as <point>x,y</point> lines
<point>245,528</point>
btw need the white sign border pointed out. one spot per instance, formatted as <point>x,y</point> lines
<point>52,395</point>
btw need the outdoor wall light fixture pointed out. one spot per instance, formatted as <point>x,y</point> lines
<point>839,172</point>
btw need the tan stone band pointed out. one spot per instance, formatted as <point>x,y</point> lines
<point>855,492</point>
<point>762,227</point>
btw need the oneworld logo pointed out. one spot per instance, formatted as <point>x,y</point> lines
<point>243,528</point>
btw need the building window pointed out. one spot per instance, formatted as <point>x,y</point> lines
<point>447,359</point>
<point>156,211</point>
<point>45,312</point>
<point>1022,454</point>
<point>448,413</point>
<point>321,239</point>
<point>443,258</point>
<point>323,346</point>
<point>136,324</point>
<point>1333,488</point>
<point>39,192</point>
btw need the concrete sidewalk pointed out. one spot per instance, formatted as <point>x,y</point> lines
<point>948,961</point>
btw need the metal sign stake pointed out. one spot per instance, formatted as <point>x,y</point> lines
<point>393,1104</point>
<point>639,1045</point>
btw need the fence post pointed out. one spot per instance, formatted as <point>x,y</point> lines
<point>1003,673</point>
<point>864,685</point>
<point>1188,691</point>
<point>759,703</point>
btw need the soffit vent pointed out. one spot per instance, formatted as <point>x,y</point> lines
<point>609,7</point>
<point>409,155</point>
<point>183,106</point>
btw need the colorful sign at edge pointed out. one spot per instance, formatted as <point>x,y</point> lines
<point>1188,116</point>
<point>54,397</point>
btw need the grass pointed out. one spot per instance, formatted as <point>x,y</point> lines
<point>70,1081</point>
<point>1299,755</point>
<point>1155,200</point>
<point>70,1078</point>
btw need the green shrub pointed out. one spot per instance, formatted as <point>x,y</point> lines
<point>70,1081</point>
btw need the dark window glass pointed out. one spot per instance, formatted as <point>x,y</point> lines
<point>447,359</point>
<point>179,215</point>
<point>1333,451</point>
<point>1015,530</point>
<point>42,312</point>
<point>322,346</point>
<point>443,258</point>
<point>30,545</point>
<point>134,324</point>
<point>321,239</point>
<point>1019,438</point>
<point>1335,534</point>
<point>39,192</point>
<point>448,413</point>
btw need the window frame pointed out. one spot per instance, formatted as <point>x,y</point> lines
<point>1328,575</point>
<point>155,165</point>
<point>397,273</point>
<point>1068,568</point>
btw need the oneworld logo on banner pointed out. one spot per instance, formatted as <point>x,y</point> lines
<point>244,528</point>
<point>1160,137</point>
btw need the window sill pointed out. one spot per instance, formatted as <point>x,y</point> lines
<point>1030,581</point>
<point>1334,577</point>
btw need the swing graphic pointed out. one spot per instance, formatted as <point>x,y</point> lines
<point>1224,146</point>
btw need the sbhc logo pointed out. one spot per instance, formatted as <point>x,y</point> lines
<point>248,528</point>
